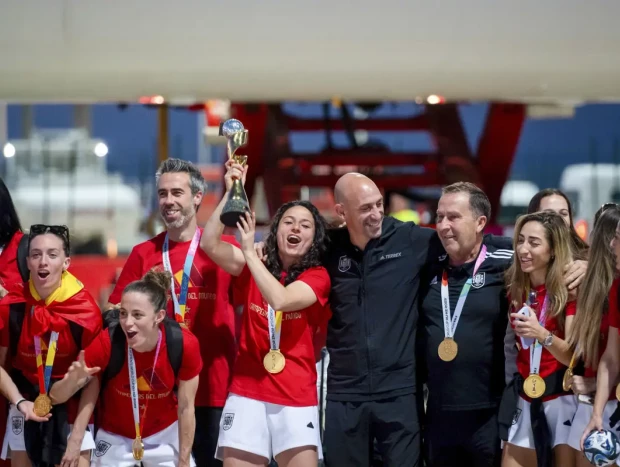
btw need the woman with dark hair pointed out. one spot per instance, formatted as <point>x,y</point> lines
<point>555,200</point>
<point>51,318</point>
<point>588,337</point>
<point>271,410</point>
<point>10,235</point>
<point>142,418</point>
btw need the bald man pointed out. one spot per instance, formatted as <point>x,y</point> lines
<point>374,263</point>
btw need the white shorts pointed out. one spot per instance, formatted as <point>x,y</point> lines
<point>559,413</point>
<point>160,449</point>
<point>14,435</point>
<point>582,418</point>
<point>267,429</point>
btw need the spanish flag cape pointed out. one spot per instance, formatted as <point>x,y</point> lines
<point>69,302</point>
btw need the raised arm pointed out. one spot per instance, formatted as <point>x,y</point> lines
<point>77,377</point>
<point>295,296</point>
<point>225,255</point>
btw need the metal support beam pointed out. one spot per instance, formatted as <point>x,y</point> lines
<point>497,149</point>
<point>286,172</point>
<point>27,121</point>
<point>365,157</point>
<point>4,124</point>
<point>417,123</point>
<point>449,137</point>
<point>389,182</point>
<point>162,133</point>
<point>82,118</point>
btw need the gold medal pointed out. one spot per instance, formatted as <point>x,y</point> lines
<point>534,386</point>
<point>42,405</point>
<point>137,448</point>
<point>568,374</point>
<point>448,349</point>
<point>618,392</point>
<point>274,361</point>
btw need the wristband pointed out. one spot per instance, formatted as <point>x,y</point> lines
<point>19,402</point>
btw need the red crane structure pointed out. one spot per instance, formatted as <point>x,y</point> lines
<point>284,172</point>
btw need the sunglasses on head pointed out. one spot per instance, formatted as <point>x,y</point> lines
<point>40,229</point>
<point>61,231</point>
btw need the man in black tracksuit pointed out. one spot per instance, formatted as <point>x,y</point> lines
<point>374,264</point>
<point>464,393</point>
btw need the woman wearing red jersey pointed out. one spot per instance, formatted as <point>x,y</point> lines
<point>271,410</point>
<point>10,236</point>
<point>141,417</point>
<point>542,244</point>
<point>50,319</point>
<point>596,311</point>
<point>609,364</point>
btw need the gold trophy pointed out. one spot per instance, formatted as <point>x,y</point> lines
<point>237,203</point>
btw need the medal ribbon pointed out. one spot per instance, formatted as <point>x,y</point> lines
<point>133,384</point>
<point>45,375</point>
<point>274,319</point>
<point>449,325</point>
<point>537,348</point>
<point>180,303</point>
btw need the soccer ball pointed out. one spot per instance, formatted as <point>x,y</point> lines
<point>602,448</point>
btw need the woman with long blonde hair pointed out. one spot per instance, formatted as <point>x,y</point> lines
<point>535,406</point>
<point>590,329</point>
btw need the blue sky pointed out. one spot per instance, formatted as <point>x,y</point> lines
<point>546,146</point>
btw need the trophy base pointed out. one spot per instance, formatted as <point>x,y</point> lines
<point>233,210</point>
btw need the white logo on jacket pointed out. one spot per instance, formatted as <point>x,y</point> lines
<point>344,264</point>
<point>391,255</point>
<point>478,280</point>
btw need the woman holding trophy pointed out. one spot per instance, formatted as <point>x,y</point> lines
<point>271,410</point>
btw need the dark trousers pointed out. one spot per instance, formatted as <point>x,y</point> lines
<point>205,439</point>
<point>352,427</point>
<point>458,438</point>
